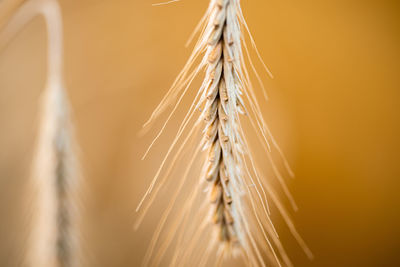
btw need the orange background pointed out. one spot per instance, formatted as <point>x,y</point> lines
<point>334,108</point>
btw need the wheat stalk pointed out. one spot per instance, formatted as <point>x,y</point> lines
<point>55,172</point>
<point>240,209</point>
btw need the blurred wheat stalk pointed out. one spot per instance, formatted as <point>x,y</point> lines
<point>55,172</point>
<point>240,209</point>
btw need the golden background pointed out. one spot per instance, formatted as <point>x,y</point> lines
<point>334,108</point>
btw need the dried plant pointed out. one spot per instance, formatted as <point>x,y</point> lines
<point>239,206</point>
<point>53,237</point>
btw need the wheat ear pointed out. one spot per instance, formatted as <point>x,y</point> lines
<point>240,209</point>
<point>222,105</point>
<point>55,170</point>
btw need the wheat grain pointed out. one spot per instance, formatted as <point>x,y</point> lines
<point>240,209</point>
<point>53,239</point>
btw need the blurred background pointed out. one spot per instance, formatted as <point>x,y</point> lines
<point>334,108</point>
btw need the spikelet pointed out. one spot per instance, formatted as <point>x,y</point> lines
<point>237,195</point>
<point>53,237</point>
